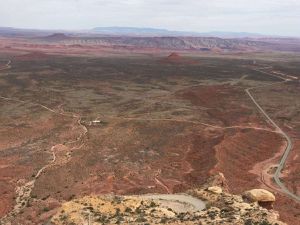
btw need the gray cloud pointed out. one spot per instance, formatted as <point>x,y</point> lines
<point>262,16</point>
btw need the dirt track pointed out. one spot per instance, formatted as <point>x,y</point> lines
<point>193,204</point>
<point>23,192</point>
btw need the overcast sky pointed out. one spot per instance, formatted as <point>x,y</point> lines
<point>279,17</point>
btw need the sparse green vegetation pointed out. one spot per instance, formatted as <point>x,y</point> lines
<point>46,209</point>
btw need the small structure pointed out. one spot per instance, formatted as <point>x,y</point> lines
<point>95,122</point>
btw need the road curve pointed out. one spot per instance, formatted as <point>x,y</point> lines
<point>6,66</point>
<point>289,145</point>
<point>195,203</point>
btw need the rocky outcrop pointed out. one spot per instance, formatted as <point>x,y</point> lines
<point>259,195</point>
<point>217,180</point>
<point>215,189</point>
<point>263,197</point>
<point>221,208</point>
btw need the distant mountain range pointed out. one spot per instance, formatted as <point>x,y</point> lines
<point>126,31</point>
<point>178,43</point>
<point>134,31</point>
<point>151,38</point>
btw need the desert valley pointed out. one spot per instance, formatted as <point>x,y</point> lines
<point>91,126</point>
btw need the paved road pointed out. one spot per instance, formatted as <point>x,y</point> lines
<point>289,146</point>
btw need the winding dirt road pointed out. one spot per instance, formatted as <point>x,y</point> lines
<point>6,66</point>
<point>23,192</point>
<point>195,122</point>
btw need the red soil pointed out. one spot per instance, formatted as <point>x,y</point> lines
<point>32,56</point>
<point>240,151</point>
<point>18,162</point>
<point>288,209</point>
<point>9,174</point>
<point>225,104</point>
<point>209,96</point>
<point>244,155</point>
<point>140,160</point>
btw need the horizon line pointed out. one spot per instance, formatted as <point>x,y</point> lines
<point>89,30</point>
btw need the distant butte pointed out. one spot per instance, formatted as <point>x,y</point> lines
<point>56,37</point>
<point>176,58</point>
<point>172,58</point>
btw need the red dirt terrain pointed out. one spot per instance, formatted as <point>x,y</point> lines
<point>228,105</point>
<point>141,160</point>
<point>243,156</point>
<point>32,56</point>
<point>23,151</point>
<point>175,58</point>
<point>143,143</point>
<point>281,101</point>
<point>238,153</point>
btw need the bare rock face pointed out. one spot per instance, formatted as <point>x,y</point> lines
<point>215,189</point>
<point>263,197</point>
<point>259,195</point>
<point>217,180</point>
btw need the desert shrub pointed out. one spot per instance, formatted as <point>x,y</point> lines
<point>72,196</point>
<point>119,219</point>
<point>138,210</point>
<point>63,217</point>
<point>141,220</point>
<point>163,220</point>
<point>265,222</point>
<point>28,204</point>
<point>102,219</point>
<point>152,204</point>
<point>153,210</point>
<point>33,196</point>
